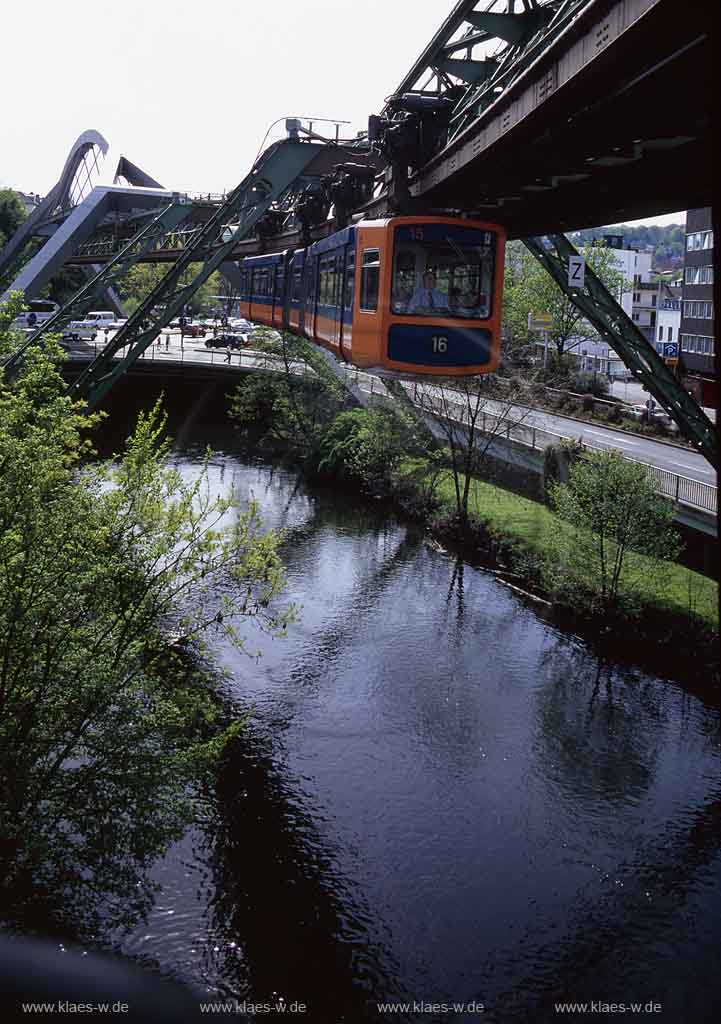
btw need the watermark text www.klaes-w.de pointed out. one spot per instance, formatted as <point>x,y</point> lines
<point>62,1006</point>
<point>249,1009</point>
<point>601,1006</point>
<point>424,1006</point>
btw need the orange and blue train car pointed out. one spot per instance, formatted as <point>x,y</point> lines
<point>401,296</point>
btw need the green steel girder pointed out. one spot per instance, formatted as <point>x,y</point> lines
<point>142,242</point>
<point>600,308</point>
<point>512,28</point>
<point>544,24</point>
<point>523,36</point>
<point>472,71</point>
<point>274,172</point>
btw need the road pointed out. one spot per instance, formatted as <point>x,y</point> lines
<point>669,457</point>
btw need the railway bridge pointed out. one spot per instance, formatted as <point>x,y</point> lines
<point>541,115</point>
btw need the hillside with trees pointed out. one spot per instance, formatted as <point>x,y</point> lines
<point>667,242</point>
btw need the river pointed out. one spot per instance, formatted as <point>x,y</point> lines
<point>440,797</point>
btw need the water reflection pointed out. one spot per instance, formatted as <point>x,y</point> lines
<point>285,919</point>
<point>590,743</point>
<point>443,797</point>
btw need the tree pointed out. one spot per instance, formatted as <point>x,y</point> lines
<point>295,400</point>
<point>362,446</point>
<point>143,277</point>
<point>614,516</point>
<point>529,288</point>
<point>470,416</point>
<point>12,214</point>
<point>111,576</point>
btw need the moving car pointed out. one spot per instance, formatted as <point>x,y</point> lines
<point>227,341</point>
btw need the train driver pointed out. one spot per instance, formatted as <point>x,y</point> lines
<point>427,297</point>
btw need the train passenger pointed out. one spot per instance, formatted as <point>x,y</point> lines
<point>427,297</point>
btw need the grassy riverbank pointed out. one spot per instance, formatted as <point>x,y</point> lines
<point>524,531</point>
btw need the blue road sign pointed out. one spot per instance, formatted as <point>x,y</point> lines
<point>670,350</point>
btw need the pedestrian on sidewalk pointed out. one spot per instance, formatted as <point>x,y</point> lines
<point>167,342</point>
<point>228,352</point>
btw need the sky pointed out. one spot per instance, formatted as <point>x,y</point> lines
<point>187,89</point>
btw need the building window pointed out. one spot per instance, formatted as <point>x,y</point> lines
<point>698,309</point>
<point>669,336</point>
<point>699,240</point>
<point>700,344</point>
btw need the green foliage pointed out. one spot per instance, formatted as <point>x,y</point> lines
<point>10,338</point>
<point>12,214</point>
<point>143,277</point>
<point>529,288</point>
<point>535,529</point>
<point>614,514</point>
<point>362,446</point>
<point>105,721</point>
<point>292,405</point>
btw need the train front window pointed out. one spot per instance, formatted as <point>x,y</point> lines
<point>443,270</point>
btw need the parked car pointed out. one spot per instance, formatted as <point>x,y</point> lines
<point>227,341</point>
<point>658,415</point>
<point>241,325</point>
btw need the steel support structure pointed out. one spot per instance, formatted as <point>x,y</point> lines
<point>275,171</point>
<point>602,310</point>
<point>76,307</point>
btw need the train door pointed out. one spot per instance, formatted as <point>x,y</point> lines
<point>337,298</point>
<point>347,294</point>
<point>305,310</point>
<point>278,285</point>
<point>310,296</point>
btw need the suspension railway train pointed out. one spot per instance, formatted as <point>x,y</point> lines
<point>404,295</point>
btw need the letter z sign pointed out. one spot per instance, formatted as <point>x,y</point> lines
<point>576,271</point>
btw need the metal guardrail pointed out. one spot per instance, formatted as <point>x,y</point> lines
<point>683,490</point>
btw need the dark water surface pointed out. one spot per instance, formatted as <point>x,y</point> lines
<point>441,797</point>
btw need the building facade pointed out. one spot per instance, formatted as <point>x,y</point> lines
<point>697,312</point>
<point>668,321</point>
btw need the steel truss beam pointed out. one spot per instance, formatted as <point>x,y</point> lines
<point>275,171</point>
<point>142,242</point>
<point>601,309</point>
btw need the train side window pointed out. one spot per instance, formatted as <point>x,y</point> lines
<point>335,265</point>
<point>349,280</point>
<point>323,282</point>
<point>297,285</point>
<point>370,280</point>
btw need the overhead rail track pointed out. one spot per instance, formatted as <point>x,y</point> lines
<point>560,114</point>
<point>277,170</point>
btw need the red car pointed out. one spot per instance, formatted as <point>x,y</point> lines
<point>192,330</point>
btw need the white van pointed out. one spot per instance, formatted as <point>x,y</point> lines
<point>98,320</point>
<point>102,318</point>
